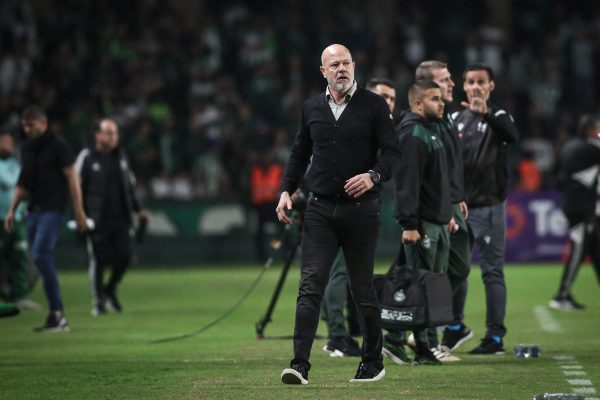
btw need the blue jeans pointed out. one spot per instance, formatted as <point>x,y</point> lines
<point>43,230</point>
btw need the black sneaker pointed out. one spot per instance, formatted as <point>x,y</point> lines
<point>452,339</point>
<point>112,302</point>
<point>296,374</point>
<point>424,356</point>
<point>343,346</point>
<point>395,352</point>
<point>369,372</point>
<point>488,346</point>
<point>56,322</point>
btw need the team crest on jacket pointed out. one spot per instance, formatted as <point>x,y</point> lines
<point>96,167</point>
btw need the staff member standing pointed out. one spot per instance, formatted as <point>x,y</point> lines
<point>486,131</point>
<point>579,176</point>
<point>47,176</point>
<point>460,250</point>
<point>423,194</point>
<point>14,250</point>
<point>342,130</point>
<point>107,186</point>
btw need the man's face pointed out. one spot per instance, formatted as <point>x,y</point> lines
<point>388,93</point>
<point>433,105</point>
<point>7,145</point>
<point>478,84</point>
<point>338,68</point>
<point>444,80</point>
<point>107,138</point>
<point>34,127</point>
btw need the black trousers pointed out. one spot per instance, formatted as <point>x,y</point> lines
<point>584,239</point>
<point>109,245</point>
<point>329,225</point>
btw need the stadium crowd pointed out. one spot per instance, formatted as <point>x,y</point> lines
<point>202,90</point>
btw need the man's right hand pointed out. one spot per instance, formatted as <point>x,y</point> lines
<point>410,237</point>
<point>285,204</point>
<point>8,221</point>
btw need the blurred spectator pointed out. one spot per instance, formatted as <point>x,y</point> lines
<point>192,83</point>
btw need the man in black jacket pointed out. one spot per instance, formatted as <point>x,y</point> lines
<point>107,185</point>
<point>342,130</point>
<point>460,250</point>
<point>486,132</point>
<point>423,191</point>
<point>578,177</point>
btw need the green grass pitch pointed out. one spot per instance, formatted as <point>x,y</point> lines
<point>113,357</point>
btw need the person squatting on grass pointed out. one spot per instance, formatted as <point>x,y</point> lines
<point>47,176</point>
<point>342,130</point>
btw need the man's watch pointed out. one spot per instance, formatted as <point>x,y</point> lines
<point>374,176</point>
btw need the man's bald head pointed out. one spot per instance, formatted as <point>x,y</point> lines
<point>332,50</point>
<point>106,134</point>
<point>338,68</point>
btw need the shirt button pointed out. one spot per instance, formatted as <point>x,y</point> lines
<point>337,125</point>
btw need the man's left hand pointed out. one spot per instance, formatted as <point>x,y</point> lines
<point>358,185</point>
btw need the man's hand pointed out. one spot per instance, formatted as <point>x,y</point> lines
<point>358,185</point>
<point>410,237</point>
<point>464,209</point>
<point>81,220</point>
<point>476,102</point>
<point>9,221</point>
<point>452,226</point>
<point>143,215</point>
<point>285,203</point>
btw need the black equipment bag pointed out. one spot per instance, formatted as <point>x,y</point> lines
<point>413,298</point>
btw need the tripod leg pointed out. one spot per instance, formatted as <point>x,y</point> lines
<point>262,323</point>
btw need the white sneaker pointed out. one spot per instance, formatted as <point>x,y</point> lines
<point>443,354</point>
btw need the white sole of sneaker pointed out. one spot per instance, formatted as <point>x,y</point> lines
<point>325,349</point>
<point>463,340</point>
<point>392,357</point>
<point>449,358</point>
<point>290,376</point>
<point>560,306</point>
<point>375,379</point>
<point>55,330</point>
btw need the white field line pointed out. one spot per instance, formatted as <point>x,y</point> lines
<point>570,367</point>
<point>571,373</point>
<point>546,320</point>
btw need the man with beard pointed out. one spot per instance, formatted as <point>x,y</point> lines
<point>423,192</point>
<point>342,131</point>
<point>341,343</point>
<point>460,252</point>
<point>486,132</point>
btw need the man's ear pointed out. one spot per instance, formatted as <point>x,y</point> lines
<point>492,85</point>
<point>322,69</point>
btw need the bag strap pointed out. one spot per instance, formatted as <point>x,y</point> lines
<point>401,260</point>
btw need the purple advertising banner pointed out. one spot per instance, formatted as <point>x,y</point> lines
<point>536,228</point>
